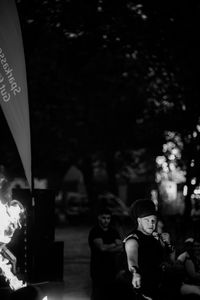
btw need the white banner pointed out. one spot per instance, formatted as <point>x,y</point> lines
<point>13,83</point>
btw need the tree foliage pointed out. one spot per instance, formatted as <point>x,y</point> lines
<point>109,75</point>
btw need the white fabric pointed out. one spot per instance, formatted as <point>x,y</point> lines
<point>13,84</point>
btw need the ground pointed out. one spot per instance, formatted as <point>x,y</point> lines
<point>76,261</point>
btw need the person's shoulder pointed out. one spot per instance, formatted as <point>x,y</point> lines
<point>113,229</point>
<point>114,232</point>
<point>183,257</point>
<point>131,236</point>
<point>95,230</point>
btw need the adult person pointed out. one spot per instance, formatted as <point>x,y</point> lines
<point>189,259</point>
<point>146,250</point>
<point>105,243</point>
<point>195,217</point>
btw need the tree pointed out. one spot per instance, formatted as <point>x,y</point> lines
<point>108,75</point>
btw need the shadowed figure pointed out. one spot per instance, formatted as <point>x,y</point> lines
<point>146,251</point>
<point>105,244</point>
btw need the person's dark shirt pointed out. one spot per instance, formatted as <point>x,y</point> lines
<point>102,263</point>
<point>150,257</point>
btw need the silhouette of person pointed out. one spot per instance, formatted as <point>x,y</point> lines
<point>189,259</point>
<point>105,243</point>
<point>146,250</point>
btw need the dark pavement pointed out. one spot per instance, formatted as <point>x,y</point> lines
<point>76,262</point>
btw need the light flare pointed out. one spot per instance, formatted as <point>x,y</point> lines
<point>5,268</point>
<point>10,220</point>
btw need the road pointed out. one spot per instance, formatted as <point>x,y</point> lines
<point>76,261</point>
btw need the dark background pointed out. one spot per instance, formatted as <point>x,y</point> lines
<point>105,76</point>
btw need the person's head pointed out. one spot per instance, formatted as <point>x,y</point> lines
<point>188,245</point>
<point>104,218</point>
<point>192,246</point>
<point>197,248</point>
<point>143,211</point>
